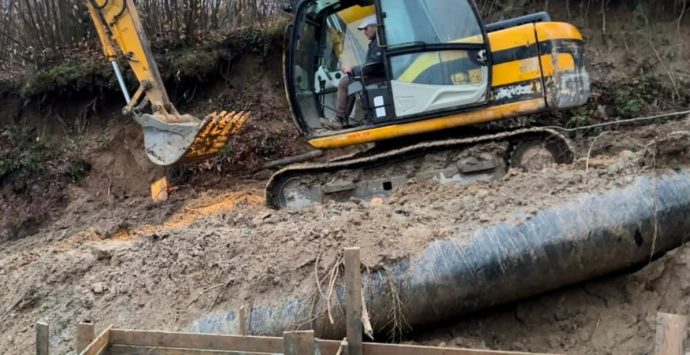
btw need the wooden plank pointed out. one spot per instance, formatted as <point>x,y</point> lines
<point>86,332</point>
<point>273,345</point>
<point>353,301</point>
<point>671,334</point>
<point>299,342</point>
<point>197,341</point>
<point>42,338</point>
<point>242,319</point>
<point>115,349</point>
<point>342,350</point>
<point>99,344</point>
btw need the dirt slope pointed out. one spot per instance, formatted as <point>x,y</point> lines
<point>99,250</point>
<point>613,315</point>
<point>218,249</point>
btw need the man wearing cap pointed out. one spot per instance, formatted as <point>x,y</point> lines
<point>345,102</point>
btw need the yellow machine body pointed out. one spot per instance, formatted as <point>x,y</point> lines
<point>532,67</point>
<point>546,75</point>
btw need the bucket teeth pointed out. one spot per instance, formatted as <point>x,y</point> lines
<point>215,134</point>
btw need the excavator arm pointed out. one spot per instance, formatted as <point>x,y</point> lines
<point>169,137</point>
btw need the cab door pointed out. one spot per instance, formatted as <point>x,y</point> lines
<point>437,54</point>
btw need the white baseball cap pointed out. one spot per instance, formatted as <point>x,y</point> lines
<point>368,21</point>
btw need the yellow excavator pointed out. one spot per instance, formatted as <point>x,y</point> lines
<point>447,90</point>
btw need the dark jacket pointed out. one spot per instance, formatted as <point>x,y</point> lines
<point>374,55</point>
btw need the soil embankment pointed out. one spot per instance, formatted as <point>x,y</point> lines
<point>218,251</point>
<point>80,240</point>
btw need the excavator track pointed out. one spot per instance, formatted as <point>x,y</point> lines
<point>461,161</point>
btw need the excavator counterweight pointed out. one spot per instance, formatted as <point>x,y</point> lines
<point>169,137</point>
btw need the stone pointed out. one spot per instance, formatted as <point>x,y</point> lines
<point>98,288</point>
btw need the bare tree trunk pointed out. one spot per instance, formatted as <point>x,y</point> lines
<point>6,24</point>
<point>30,23</point>
<point>39,23</point>
<point>29,27</point>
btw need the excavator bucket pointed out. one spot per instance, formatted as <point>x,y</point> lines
<point>191,140</point>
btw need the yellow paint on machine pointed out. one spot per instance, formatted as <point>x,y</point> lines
<point>127,32</point>
<point>556,31</point>
<point>529,34</point>
<point>511,72</point>
<point>356,13</point>
<point>481,115</point>
<point>426,61</point>
<point>529,69</point>
<point>100,30</point>
<point>514,37</point>
<point>503,74</point>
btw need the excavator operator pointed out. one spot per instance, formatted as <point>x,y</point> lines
<point>372,69</point>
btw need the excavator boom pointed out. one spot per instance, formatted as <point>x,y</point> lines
<point>169,137</point>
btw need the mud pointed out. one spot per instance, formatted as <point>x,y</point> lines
<point>612,315</point>
<point>99,250</point>
<point>218,250</point>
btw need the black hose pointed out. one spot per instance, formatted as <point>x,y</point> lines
<point>122,11</point>
<point>98,7</point>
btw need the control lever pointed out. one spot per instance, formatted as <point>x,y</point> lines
<point>327,73</point>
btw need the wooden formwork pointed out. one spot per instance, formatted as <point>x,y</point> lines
<point>670,338</point>
<point>115,341</point>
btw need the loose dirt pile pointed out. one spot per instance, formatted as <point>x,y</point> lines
<point>217,250</point>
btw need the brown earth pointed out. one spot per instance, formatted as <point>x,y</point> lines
<point>222,248</point>
<point>612,315</point>
<point>99,250</point>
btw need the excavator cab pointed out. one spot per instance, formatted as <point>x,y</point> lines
<point>443,68</point>
<point>436,60</point>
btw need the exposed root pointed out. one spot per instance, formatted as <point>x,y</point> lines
<point>397,323</point>
<point>589,153</point>
<point>215,300</point>
<point>203,292</point>
<point>311,317</point>
<point>366,323</point>
<point>316,276</point>
<point>314,299</point>
<point>331,284</point>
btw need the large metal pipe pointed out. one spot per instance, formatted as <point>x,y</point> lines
<point>596,234</point>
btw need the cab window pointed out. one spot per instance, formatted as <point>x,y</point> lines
<point>430,21</point>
